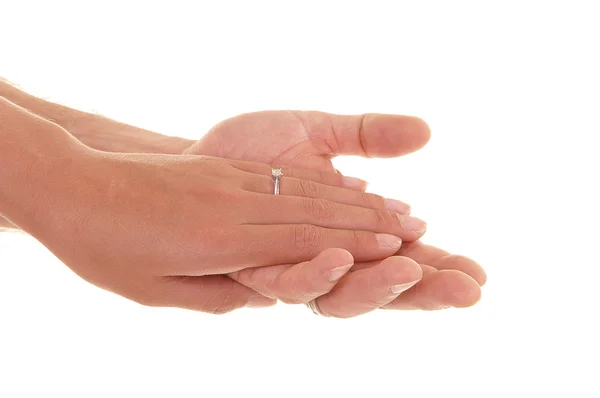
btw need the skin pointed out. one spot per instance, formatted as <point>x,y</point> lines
<point>312,139</point>
<point>309,140</point>
<point>146,226</point>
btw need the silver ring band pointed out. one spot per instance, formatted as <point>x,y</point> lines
<point>314,306</point>
<point>276,174</point>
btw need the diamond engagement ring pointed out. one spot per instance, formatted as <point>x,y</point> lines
<point>277,174</point>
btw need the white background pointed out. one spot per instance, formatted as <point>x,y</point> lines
<point>511,92</point>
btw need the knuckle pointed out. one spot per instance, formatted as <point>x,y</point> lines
<point>372,200</point>
<point>309,189</point>
<point>222,302</point>
<point>305,237</point>
<point>319,176</point>
<point>385,218</point>
<point>337,179</point>
<point>362,238</point>
<point>320,210</point>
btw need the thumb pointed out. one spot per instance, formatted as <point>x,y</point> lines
<point>367,135</point>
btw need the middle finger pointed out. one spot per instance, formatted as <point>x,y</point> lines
<point>282,209</point>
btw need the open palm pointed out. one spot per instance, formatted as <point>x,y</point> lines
<point>311,140</point>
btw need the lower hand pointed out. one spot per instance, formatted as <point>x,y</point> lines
<point>311,140</point>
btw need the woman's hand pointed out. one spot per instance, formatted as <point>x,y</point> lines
<point>147,226</point>
<point>311,140</point>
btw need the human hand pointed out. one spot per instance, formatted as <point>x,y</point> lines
<point>278,132</point>
<point>147,226</point>
<point>311,140</point>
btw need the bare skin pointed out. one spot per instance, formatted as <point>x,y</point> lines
<point>312,139</point>
<point>146,225</point>
<point>448,280</point>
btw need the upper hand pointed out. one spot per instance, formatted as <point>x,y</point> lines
<point>153,227</point>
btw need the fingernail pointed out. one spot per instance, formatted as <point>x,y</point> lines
<point>260,302</point>
<point>389,241</point>
<point>397,289</point>
<point>338,272</point>
<point>413,223</point>
<point>397,206</point>
<point>354,183</point>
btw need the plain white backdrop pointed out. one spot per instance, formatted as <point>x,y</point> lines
<point>510,178</point>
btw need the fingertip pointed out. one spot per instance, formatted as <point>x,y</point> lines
<point>396,134</point>
<point>418,130</point>
<point>402,270</point>
<point>463,264</point>
<point>465,291</point>
<point>439,290</point>
<point>336,257</point>
<point>481,277</point>
<point>335,263</point>
<point>354,183</point>
<point>427,270</point>
<point>423,128</point>
<point>469,267</point>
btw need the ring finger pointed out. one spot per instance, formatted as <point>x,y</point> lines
<point>310,189</point>
<point>323,177</point>
<point>368,289</point>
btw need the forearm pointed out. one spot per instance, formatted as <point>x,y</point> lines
<point>38,162</point>
<point>93,130</point>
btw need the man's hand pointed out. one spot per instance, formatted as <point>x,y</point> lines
<point>311,140</point>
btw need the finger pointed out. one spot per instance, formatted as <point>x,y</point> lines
<point>263,245</point>
<point>310,189</point>
<point>322,177</point>
<point>298,283</point>
<point>427,269</point>
<point>366,290</point>
<point>463,264</point>
<point>439,290</point>
<point>215,294</point>
<point>282,209</point>
<point>440,259</point>
<point>369,135</point>
<point>436,290</point>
